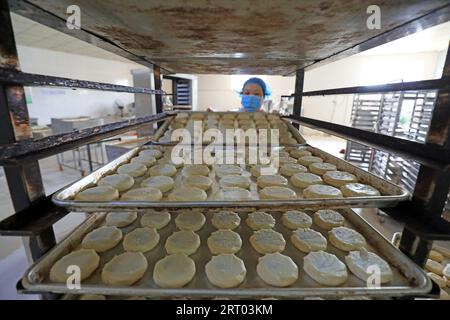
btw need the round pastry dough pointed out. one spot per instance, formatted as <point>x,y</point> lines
<point>277,270</point>
<point>440,281</point>
<point>192,220</point>
<point>243,116</point>
<point>262,125</point>
<point>267,241</point>
<point>174,271</point>
<point>100,193</point>
<point>290,169</point>
<point>155,219</point>
<point>305,179</point>
<point>308,240</point>
<point>272,180</point>
<point>86,259</point>
<point>446,271</point>
<point>235,181</point>
<point>145,160</point>
<point>121,182</point>
<point>234,194</point>
<point>142,194</point>
<point>287,140</point>
<point>260,220</point>
<point>124,269</point>
<point>321,168</point>
<point>163,183</point>
<point>226,220</point>
<point>195,170</point>
<point>169,161</point>
<point>120,219</point>
<point>163,170</point>
<point>321,191</point>
<point>259,115</point>
<point>102,239</point>
<point>187,194</point>
<point>258,170</point>
<point>151,153</point>
<point>328,219</point>
<point>435,267</point>
<point>200,182</point>
<point>325,268</point>
<point>132,169</point>
<point>229,116</point>
<point>197,116</point>
<point>277,193</point>
<point>224,241</point>
<point>184,241</point>
<point>294,219</point>
<point>338,178</point>
<point>225,271</point>
<point>307,160</point>
<point>284,154</point>
<point>298,153</point>
<point>359,190</point>
<point>227,170</point>
<point>436,256</point>
<point>285,160</point>
<point>212,115</point>
<point>359,262</point>
<point>141,240</point>
<point>346,239</point>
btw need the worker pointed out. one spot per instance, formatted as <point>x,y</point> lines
<point>253,93</point>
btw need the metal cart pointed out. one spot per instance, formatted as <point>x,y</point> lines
<point>424,217</point>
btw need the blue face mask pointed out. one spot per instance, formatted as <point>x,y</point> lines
<point>251,103</point>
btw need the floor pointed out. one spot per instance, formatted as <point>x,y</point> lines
<point>13,259</point>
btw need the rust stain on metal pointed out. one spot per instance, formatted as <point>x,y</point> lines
<point>18,112</point>
<point>132,40</point>
<point>33,180</point>
<point>8,52</point>
<point>233,33</point>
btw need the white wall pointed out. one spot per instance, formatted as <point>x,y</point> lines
<point>362,70</point>
<point>51,102</point>
<point>218,91</point>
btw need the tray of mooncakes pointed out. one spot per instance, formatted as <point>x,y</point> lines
<point>203,126</point>
<point>219,253</point>
<point>290,176</point>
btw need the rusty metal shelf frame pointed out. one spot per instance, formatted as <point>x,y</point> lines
<point>35,214</point>
<point>434,156</point>
<point>30,199</point>
<point>23,150</point>
<point>423,214</point>
<point>14,77</point>
<point>441,84</point>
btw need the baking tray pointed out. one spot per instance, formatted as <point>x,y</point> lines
<point>391,193</point>
<point>295,133</point>
<point>408,278</point>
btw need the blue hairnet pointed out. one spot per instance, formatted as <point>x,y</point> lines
<point>260,82</point>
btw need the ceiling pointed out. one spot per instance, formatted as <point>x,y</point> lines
<point>30,33</point>
<point>227,37</point>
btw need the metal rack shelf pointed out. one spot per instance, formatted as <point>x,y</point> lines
<point>37,149</point>
<point>35,214</point>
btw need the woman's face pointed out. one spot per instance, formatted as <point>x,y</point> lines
<point>253,90</point>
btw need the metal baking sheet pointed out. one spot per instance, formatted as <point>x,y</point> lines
<point>408,278</point>
<point>391,194</point>
<point>295,133</point>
